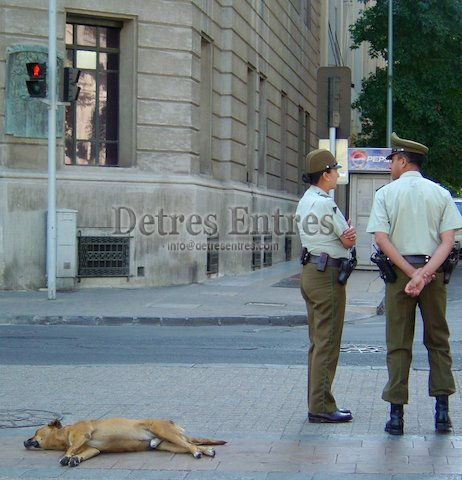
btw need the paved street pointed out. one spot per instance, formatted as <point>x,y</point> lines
<point>242,383</point>
<point>363,345</point>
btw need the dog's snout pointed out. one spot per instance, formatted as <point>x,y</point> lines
<point>30,442</point>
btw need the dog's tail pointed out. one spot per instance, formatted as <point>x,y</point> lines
<point>206,441</point>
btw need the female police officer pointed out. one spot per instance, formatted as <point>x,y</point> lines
<point>326,236</point>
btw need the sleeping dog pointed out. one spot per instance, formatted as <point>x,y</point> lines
<point>88,438</point>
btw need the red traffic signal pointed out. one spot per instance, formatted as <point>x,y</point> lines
<point>36,70</point>
<point>37,83</point>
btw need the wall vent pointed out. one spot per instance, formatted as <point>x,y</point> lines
<point>288,247</point>
<point>267,251</point>
<point>256,252</point>
<point>104,256</point>
<point>212,255</point>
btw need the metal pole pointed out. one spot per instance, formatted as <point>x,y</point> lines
<point>51,217</point>
<point>390,74</point>
<point>332,148</point>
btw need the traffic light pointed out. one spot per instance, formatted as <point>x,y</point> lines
<point>70,88</point>
<point>37,83</point>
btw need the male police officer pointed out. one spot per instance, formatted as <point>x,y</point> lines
<point>413,220</point>
<point>326,236</point>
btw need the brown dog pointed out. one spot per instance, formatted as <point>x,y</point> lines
<point>88,438</point>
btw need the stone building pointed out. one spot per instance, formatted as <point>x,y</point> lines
<point>336,18</point>
<point>183,152</point>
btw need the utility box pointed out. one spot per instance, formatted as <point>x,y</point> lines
<point>66,248</point>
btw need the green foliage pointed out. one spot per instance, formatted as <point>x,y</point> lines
<point>427,80</point>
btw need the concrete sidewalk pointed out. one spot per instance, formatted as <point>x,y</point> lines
<point>259,410</point>
<point>261,297</point>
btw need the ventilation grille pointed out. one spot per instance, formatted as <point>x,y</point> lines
<point>104,256</point>
<point>212,255</point>
<point>267,252</point>
<point>256,252</point>
<point>288,248</point>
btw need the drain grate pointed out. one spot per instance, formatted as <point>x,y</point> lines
<point>266,304</point>
<point>350,348</point>
<point>26,418</point>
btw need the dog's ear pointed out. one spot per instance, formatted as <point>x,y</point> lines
<point>55,424</point>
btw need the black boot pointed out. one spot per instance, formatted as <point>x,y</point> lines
<point>395,425</point>
<point>442,420</point>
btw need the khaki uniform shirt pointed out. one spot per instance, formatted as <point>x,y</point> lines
<point>413,211</point>
<point>320,224</point>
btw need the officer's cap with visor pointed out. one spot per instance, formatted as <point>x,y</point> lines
<point>402,145</point>
<point>319,161</point>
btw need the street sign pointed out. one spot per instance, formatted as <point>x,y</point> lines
<point>334,101</point>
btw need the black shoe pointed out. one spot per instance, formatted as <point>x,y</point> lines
<point>332,417</point>
<point>344,410</point>
<point>442,421</point>
<point>395,425</point>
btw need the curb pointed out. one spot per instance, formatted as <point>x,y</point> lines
<point>288,320</point>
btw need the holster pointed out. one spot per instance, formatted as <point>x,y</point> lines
<point>305,256</point>
<point>451,262</point>
<point>347,266</point>
<point>387,273</point>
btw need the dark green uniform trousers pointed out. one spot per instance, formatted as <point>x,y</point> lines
<point>400,310</point>
<point>325,303</point>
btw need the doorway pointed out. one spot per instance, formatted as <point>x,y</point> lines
<point>362,192</point>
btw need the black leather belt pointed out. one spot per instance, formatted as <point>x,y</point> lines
<point>417,258</point>
<point>331,262</point>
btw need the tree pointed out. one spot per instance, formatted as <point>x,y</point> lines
<point>427,80</point>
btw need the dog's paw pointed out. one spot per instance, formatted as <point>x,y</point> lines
<point>64,461</point>
<point>74,461</point>
<point>154,443</point>
<point>197,455</point>
<point>210,452</point>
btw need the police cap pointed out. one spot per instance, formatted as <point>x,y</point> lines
<point>320,160</point>
<point>402,145</point>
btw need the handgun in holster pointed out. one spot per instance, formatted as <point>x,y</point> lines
<point>347,266</point>
<point>387,273</point>
<point>305,256</point>
<point>450,263</point>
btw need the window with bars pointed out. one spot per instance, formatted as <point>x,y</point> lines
<point>92,122</point>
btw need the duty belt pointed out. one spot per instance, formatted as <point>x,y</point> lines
<point>417,258</point>
<point>331,262</point>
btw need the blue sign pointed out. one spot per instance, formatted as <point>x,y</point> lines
<point>368,159</point>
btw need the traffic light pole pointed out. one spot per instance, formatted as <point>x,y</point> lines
<point>52,105</point>
<point>332,148</point>
<point>390,74</point>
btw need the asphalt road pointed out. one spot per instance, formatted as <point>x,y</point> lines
<point>363,344</point>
